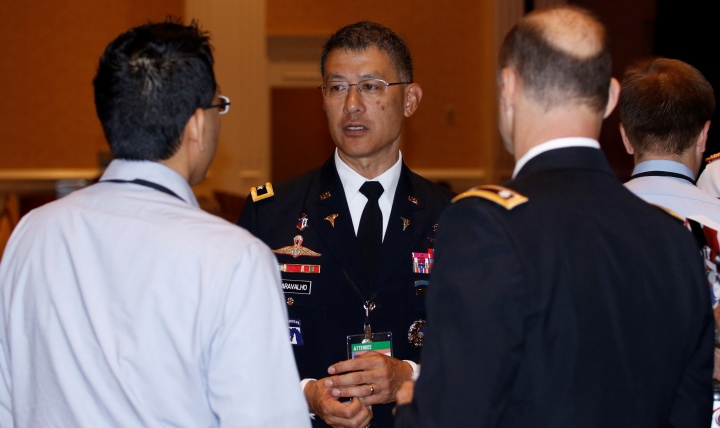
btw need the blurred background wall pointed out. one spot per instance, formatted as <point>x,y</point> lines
<point>267,61</point>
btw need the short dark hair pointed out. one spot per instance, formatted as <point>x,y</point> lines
<point>149,82</point>
<point>552,75</point>
<point>363,35</point>
<point>664,104</point>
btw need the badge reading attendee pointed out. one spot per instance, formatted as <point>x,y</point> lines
<point>380,342</point>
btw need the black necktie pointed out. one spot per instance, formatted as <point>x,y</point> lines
<point>370,229</point>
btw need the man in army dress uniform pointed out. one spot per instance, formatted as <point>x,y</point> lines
<point>563,300</point>
<point>353,270</point>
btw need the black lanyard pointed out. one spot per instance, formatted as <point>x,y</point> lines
<point>146,183</point>
<point>368,305</point>
<point>663,174</point>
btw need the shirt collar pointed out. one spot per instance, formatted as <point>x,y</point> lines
<point>352,181</point>
<point>558,143</point>
<point>121,169</point>
<point>663,165</point>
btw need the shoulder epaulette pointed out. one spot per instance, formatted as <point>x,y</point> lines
<point>712,157</point>
<point>671,212</point>
<point>508,198</point>
<point>262,192</point>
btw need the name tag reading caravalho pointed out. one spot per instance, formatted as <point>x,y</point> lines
<point>296,286</point>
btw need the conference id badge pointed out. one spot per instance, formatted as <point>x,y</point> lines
<point>357,344</point>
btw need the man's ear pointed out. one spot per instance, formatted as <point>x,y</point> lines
<point>701,142</point>
<point>413,95</point>
<point>195,130</point>
<point>628,147</point>
<point>508,87</point>
<point>613,96</point>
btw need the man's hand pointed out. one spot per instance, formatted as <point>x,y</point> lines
<point>372,377</point>
<point>337,414</point>
<point>405,393</point>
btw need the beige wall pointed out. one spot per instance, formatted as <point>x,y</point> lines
<point>49,51</point>
<point>453,49</point>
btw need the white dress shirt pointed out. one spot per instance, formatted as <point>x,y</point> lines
<point>123,306</point>
<point>352,181</point>
<point>676,194</point>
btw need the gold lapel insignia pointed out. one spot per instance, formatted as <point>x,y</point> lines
<point>296,250</point>
<point>262,192</point>
<point>413,200</point>
<point>331,218</point>
<point>435,227</point>
<point>406,223</point>
<point>431,239</point>
<point>324,196</point>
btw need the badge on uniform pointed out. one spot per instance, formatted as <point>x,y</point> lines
<point>357,344</point>
<point>295,333</point>
<point>423,262</point>
<point>261,192</point>
<point>302,222</point>
<point>416,333</point>
<point>296,250</point>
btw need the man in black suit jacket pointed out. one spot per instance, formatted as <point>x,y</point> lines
<point>561,300</point>
<point>312,222</point>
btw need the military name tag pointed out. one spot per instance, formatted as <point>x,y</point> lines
<point>296,286</point>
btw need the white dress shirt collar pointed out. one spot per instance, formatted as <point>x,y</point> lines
<point>121,169</point>
<point>558,143</point>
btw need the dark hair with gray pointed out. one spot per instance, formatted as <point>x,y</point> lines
<point>553,76</point>
<point>366,34</point>
<point>149,82</point>
<point>664,104</point>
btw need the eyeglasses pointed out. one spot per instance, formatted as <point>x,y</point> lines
<point>223,106</point>
<point>368,88</point>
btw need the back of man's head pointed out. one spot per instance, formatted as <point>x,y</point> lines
<point>664,105</point>
<point>561,57</point>
<point>149,82</point>
<point>363,35</point>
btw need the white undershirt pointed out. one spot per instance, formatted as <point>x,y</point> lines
<point>352,181</point>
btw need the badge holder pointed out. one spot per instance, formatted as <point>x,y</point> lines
<point>358,344</point>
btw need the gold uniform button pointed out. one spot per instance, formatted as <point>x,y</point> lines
<point>290,301</point>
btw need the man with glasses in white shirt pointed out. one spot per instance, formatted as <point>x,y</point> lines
<point>124,304</point>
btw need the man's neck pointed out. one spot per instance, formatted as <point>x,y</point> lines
<point>370,167</point>
<point>686,158</point>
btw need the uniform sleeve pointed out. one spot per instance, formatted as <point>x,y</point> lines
<point>693,399</point>
<point>252,377</point>
<point>474,335</point>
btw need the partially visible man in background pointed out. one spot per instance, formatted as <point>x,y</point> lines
<point>124,304</point>
<point>665,109</point>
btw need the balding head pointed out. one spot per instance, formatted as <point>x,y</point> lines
<point>561,57</point>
